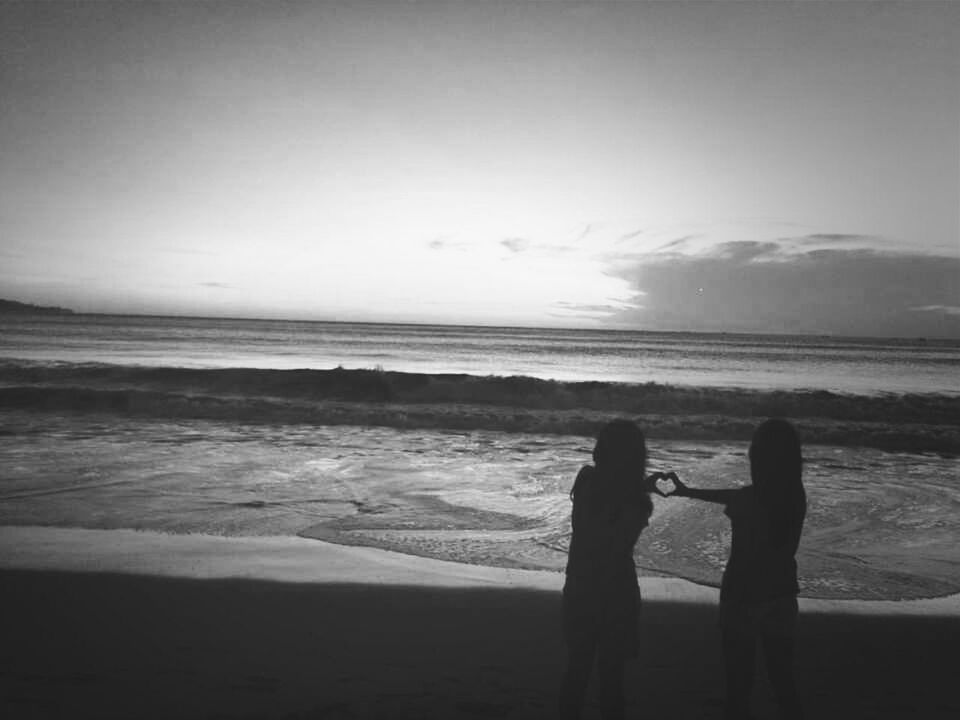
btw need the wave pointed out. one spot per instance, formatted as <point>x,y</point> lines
<point>899,422</point>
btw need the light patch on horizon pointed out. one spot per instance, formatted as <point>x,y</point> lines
<point>946,309</point>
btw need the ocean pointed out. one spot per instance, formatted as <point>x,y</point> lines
<point>789,362</point>
<point>461,443</point>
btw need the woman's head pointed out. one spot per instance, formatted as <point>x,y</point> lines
<point>620,449</point>
<point>776,462</point>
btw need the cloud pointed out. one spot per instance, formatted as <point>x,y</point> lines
<point>835,237</point>
<point>515,244</point>
<point>631,235</point>
<point>847,241</point>
<point>587,308</point>
<point>217,285</point>
<point>444,243</point>
<point>677,244</point>
<point>748,251</point>
<point>777,287</point>
<point>947,309</point>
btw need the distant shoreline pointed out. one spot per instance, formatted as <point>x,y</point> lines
<point>29,309</point>
<point>12,307</point>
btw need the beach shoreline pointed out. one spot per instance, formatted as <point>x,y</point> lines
<point>296,559</point>
<point>134,624</point>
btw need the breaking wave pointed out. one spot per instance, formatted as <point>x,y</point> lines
<point>898,422</point>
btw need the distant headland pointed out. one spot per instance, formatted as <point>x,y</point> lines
<point>12,307</point>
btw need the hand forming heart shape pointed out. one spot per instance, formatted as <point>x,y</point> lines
<point>654,479</point>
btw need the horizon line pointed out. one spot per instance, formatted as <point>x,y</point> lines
<point>69,312</point>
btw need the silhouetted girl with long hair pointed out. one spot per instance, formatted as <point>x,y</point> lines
<point>601,595</point>
<point>758,593</point>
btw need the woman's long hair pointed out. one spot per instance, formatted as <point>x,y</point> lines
<point>776,470</point>
<point>620,454</point>
<point>620,448</point>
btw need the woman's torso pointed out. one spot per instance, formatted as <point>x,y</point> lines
<point>761,567</point>
<point>605,530</point>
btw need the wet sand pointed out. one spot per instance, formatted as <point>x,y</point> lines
<point>124,624</point>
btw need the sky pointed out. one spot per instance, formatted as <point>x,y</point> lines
<point>723,166</point>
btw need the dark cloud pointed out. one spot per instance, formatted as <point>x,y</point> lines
<point>515,244</point>
<point>764,287</point>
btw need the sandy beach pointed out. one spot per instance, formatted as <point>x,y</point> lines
<point>126,624</point>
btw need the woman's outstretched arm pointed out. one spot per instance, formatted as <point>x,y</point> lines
<point>724,497</point>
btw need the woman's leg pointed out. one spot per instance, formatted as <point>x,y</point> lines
<point>573,687</point>
<point>610,665</point>
<point>739,659</point>
<point>778,633</point>
<point>778,652</point>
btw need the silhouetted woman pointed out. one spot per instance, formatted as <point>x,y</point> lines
<point>601,595</point>
<point>758,594</point>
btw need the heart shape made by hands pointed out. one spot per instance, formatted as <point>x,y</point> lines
<point>654,480</point>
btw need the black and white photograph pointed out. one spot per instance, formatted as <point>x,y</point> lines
<point>481,360</point>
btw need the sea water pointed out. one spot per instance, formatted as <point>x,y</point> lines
<point>854,365</point>
<point>880,523</point>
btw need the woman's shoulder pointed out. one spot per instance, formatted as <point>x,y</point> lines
<point>586,473</point>
<point>742,501</point>
<point>585,479</point>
